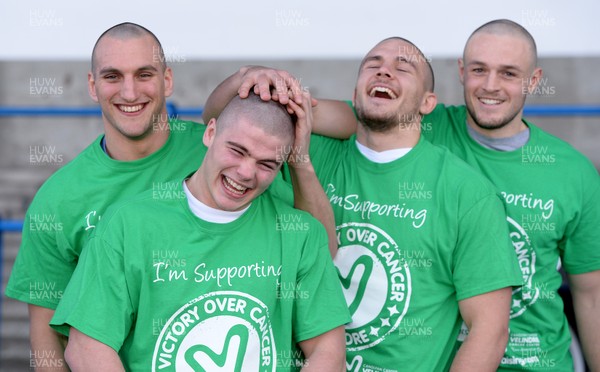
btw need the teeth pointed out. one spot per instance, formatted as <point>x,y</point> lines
<point>489,101</point>
<point>382,90</point>
<point>130,108</point>
<point>234,187</point>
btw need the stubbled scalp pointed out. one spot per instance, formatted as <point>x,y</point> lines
<point>429,75</point>
<point>506,27</point>
<point>125,31</point>
<point>270,116</point>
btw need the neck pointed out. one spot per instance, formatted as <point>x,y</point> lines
<point>395,138</point>
<point>514,127</point>
<point>122,148</point>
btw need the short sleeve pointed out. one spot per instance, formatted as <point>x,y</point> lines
<point>484,259</point>
<point>319,302</point>
<point>97,301</point>
<point>45,261</point>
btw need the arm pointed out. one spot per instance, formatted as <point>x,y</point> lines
<point>308,192</point>
<point>486,316</point>
<point>326,352</point>
<point>87,354</point>
<point>585,289</point>
<point>47,345</point>
<point>334,119</point>
<point>331,118</point>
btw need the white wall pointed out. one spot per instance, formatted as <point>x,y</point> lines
<point>280,29</point>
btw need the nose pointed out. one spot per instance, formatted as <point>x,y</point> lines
<point>384,71</point>
<point>491,82</point>
<point>129,89</point>
<point>246,170</point>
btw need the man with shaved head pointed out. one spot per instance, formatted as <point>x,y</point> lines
<point>551,193</point>
<point>420,233</point>
<point>243,291</point>
<point>141,148</point>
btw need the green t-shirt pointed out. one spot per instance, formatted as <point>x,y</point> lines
<point>416,235</point>
<point>169,290</point>
<point>71,202</point>
<point>552,197</point>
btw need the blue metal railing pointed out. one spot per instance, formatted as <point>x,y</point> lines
<point>33,111</point>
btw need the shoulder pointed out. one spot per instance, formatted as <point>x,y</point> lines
<point>58,186</point>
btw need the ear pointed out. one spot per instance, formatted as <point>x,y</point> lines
<point>210,132</point>
<point>168,82</point>
<point>534,80</point>
<point>92,87</point>
<point>461,71</point>
<point>354,98</point>
<point>428,103</point>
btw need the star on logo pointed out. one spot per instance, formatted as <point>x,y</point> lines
<point>374,331</point>
<point>516,303</point>
<point>393,310</point>
<point>527,295</point>
<point>385,322</point>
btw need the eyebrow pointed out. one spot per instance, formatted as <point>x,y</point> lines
<point>245,150</point>
<point>378,58</point>
<point>112,70</point>
<point>505,67</point>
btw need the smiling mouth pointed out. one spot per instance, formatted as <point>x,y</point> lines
<point>234,187</point>
<point>490,101</point>
<point>130,108</point>
<point>382,92</point>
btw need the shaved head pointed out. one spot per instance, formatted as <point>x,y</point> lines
<point>505,27</point>
<point>125,31</point>
<point>270,116</point>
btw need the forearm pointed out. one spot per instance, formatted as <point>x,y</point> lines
<point>586,303</point>
<point>47,345</point>
<point>86,354</point>
<point>326,352</point>
<point>222,94</point>
<point>309,196</point>
<point>481,351</point>
<point>334,119</point>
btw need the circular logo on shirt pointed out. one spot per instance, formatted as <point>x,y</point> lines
<point>225,330</point>
<point>375,281</point>
<point>526,295</point>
